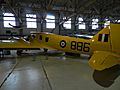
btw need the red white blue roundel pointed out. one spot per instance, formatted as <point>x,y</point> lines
<point>62,43</point>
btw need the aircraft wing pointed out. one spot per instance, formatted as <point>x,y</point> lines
<point>102,60</point>
<point>20,43</point>
<point>46,47</point>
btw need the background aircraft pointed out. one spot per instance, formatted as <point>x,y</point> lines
<point>103,47</point>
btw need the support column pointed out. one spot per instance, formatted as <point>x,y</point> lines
<point>1,20</point>
<point>101,23</point>
<point>88,25</point>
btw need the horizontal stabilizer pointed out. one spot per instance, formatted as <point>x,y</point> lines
<point>102,60</point>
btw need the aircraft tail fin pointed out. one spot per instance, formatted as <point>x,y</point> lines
<point>102,35</point>
<point>111,35</point>
<point>108,54</point>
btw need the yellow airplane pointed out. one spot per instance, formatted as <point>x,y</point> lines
<point>104,47</point>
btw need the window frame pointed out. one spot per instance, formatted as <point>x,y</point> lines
<point>81,23</point>
<point>95,23</point>
<point>9,18</point>
<point>50,21</point>
<point>67,24</point>
<point>31,21</point>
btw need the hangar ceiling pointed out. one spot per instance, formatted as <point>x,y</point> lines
<point>91,8</point>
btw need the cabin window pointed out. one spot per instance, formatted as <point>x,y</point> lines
<point>27,38</point>
<point>46,39</point>
<point>40,37</point>
<point>33,36</point>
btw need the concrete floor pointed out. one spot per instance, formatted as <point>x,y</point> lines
<point>55,72</point>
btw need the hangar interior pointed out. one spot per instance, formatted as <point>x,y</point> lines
<point>54,70</point>
<point>58,16</point>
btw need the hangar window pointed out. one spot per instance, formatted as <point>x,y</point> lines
<point>50,21</point>
<point>107,23</point>
<point>118,21</point>
<point>81,24</point>
<point>94,23</point>
<point>67,23</point>
<point>9,19</point>
<point>31,21</point>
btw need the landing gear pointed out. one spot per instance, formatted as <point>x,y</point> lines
<point>46,54</point>
<point>68,53</point>
<point>45,50</point>
<point>19,52</point>
<point>72,54</point>
<point>1,54</point>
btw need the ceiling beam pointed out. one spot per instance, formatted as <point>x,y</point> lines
<point>87,4</point>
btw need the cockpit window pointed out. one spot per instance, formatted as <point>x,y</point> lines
<point>40,37</point>
<point>46,39</point>
<point>33,36</point>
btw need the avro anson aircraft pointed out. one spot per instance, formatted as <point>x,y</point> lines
<point>104,47</point>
